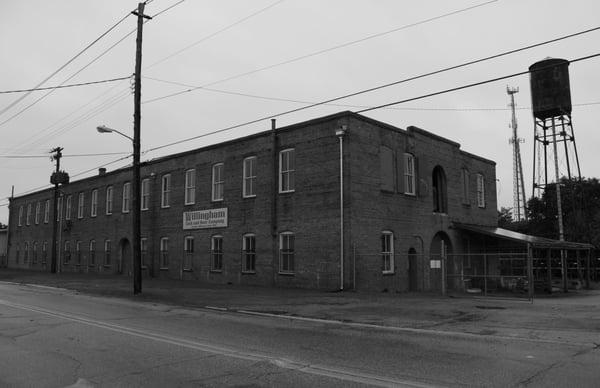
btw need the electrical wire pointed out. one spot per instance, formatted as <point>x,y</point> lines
<point>319,52</point>
<point>65,86</point>
<point>469,85</point>
<point>359,111</point>
<point>214,34</point>
<point>66,64</point>
<point>64,156</point>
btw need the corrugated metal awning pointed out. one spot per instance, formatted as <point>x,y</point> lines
<point>536,242</point>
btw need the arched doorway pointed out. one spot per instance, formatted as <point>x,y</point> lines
<point>125,258</point>
<point>413,272</point>
<point>439,250</point>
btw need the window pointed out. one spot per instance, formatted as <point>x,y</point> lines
<point>387,251</point>
<point>68,207</point>
<point>145,194</point>
<point>67,254</point>
<point>38,207</point>
<point>165,198</point>
<point>44,252</point>
<point>286,253</point>
<point>17,254</point>
<point>190,187</point>
<point>35,253</point>
<point>107,252</point>
<point>80,205</point>
<point>126,197</point>
<point>78,252</point>
<point>20,215</point>
<point>464,178</point>
<point>92,260</point>
<point>109,200</point>
<point>59,208</point>
<point>440,201</point>
<point>164,253</point>
<point>249,177</point>
<point>188,252</point>
<point>409,174</point>
<point>217,182</point>
<point>144,251</point>
<point>480,190</point>
<point>47,211</point>
<point>249,253</point>
<point>94,210</point>
<point>26,253</point>
<point>286,171</point>
<point>216,252</point>
<point>28,220</point>
<point>387,169</point>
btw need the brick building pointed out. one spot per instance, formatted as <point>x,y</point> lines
<point>265,210</point>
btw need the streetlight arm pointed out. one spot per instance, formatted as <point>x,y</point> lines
<point>105,129</point>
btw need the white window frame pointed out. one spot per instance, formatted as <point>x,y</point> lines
<point>34,256</point>
<point>480,191</point>
<point>80,205</point>
<point>249,177</point>
<point>29,212</point>
<point>20,223</point>
<point>216,253</point>
<point>190,187</point>
<point>44,252</point>
<point>38,208</point>
<point>47,211</point>
<point>164,253</point>
<point>188,253</point>
<point>109,200</point>
<point>287,169</point>
<point>126,206</point>
<point>94,207</point>
<point>287,255</point>
<point>107,253</point>
<point>387,251</point>
<point>218,182</point>
<point>165,193</point>
<point>67,252</point>
<point>78,252</point>
<point>145,203</point>
<point>92,253</point>
<point>409,174</point>
<point>249,253</point>
<point>26,252</point>
<point>68,203</point>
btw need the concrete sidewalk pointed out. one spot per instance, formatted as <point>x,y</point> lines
<point>574,317</point>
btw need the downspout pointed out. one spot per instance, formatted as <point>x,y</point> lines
<point>274,197</point>
<point>340,134</point>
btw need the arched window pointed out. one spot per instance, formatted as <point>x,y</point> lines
<point>440,199</point>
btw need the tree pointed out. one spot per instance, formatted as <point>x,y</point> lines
<point>505,217</point>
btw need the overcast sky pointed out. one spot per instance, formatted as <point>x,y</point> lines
<point>224,44</point>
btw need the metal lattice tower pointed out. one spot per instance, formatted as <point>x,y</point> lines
<point>519,203</point>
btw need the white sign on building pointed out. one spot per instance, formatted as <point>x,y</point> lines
<point>205,219</point>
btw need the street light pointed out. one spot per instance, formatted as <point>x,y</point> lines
<point>136,224</point>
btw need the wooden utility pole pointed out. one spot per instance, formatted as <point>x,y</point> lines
<point>135,202</point>
<point>57,155</point>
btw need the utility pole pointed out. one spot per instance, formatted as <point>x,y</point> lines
<point>57,155</point>
<point>135,202</point>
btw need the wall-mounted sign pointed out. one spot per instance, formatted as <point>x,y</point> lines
<point>435,264</point>
<point>205,219</point>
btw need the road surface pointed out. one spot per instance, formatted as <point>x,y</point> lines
<point>59,338</point>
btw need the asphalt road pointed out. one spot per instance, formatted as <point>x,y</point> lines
<point>58,338</point>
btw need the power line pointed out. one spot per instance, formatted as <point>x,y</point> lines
<point>65,156</point>
<point>214,34</point>
<point>319,52</point>
<point>270,98</point>
<point>65,86</point>
<point>66,64</point>
<point>359,111</point>
<point>465,86</point>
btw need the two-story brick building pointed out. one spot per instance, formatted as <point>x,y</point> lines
<point>265,210</point>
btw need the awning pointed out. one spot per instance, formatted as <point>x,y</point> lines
<point>536,242</point>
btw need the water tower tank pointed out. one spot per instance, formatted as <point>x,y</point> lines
<point>550,89</point>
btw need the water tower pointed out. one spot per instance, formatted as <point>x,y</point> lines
<point>554,148</point>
